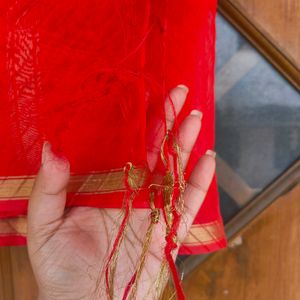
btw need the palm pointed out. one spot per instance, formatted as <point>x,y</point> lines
<point>79,246</point>
<point>70,253</point>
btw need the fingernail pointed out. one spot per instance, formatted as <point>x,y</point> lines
<point>45,152</point>
<point>184,87</point>
<point>49,159</point>
<point>62,162</point>
<point>196,113</point>
<point>211,153</point>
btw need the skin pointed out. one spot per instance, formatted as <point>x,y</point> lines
<point>68,249</point>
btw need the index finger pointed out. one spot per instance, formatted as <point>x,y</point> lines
<point>158,127</point>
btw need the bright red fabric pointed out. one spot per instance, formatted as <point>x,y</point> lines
<point>89,76</point>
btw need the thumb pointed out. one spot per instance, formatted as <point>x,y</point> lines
<point>48,197</point>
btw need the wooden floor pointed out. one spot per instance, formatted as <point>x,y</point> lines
<point>261,263</point>
<point>16,278</point>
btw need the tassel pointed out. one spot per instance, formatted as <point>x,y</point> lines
<point>111,264</point>
<point>174,186</point>
<point>154,218</point>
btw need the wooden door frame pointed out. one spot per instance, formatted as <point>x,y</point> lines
<point>260,41</point>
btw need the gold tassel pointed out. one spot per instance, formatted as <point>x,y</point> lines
<point>167,187</point>
<point>154,218</point>
<point>113,263</point>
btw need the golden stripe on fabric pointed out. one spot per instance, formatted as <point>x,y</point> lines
<point>20,187</point>
<point>202,234</point>
<point>13,226</point>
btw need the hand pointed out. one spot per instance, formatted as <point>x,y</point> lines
<point>68,249</point>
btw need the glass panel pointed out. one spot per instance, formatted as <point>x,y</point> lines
<point>257,120</point>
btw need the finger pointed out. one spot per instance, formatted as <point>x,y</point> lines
<point>174,104</point>
<point>196,191</point>
<point>188,133</point>
<point>48,198</point>
<point>157,128</point>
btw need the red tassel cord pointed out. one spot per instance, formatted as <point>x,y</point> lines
<point>111,265</point>
<point>171,245</point>
<point>172,194</point>
<point>131,288</point>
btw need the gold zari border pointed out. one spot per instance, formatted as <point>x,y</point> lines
<point>20,187</point>
<point>13,226</point>
<point>112,181</point>
<point>201,234</point>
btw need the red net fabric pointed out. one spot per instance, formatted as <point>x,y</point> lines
<point>89,76</point>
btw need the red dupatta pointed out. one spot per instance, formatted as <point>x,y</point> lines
<point>88,77</point>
